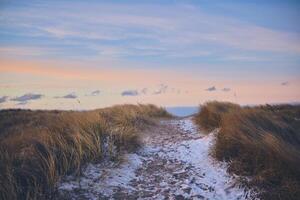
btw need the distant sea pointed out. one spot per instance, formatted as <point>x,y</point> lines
<point>182,111</point>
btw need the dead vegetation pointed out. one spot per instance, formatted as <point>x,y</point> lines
<point>37,148</point>
<point>262,142</point>
<point>210,116</point>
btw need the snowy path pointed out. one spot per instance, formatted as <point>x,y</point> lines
<point>173,164</point>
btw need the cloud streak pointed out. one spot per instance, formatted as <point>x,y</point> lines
<point>3,99</point>
<point>211,89</point>
<point>168,32</point>
<point>70,96</point>
<point>67,96</point>
<point>144,91</point>
<point>130,93</point>
<point>161,90</point>
<point>27,97</point>
<point>286,83</point>
<point>226,89</point>
<point>94,93</point>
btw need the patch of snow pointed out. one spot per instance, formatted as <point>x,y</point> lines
<point>188,125</point>
<point>102,179</point>
<point>181,168</point>
<point>209,177</point>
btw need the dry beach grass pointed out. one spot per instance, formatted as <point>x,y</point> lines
<point>37,148</point>
<point>262,142</point>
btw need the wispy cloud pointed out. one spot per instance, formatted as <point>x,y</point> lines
<point>144,91</point>
<point>94,93</point>
<point>3,99</point>
<point>27,97</point>
<point>226,89</point>
<point>211,89</point>
<point>161,89</point>
<point>68,96</point>
<point>177,91</point>
<point>285,83</point>
<point>243,58</point>
<point>161,30</point>
<point>130,93</point>
<point>20,51</point>
<point>22,103</point>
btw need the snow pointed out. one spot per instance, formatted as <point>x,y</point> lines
<point>104,178</point>
<point>180,167</point>
<point>196,153</point>
<point>185,125</point>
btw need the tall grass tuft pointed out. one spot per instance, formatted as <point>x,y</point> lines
<point>37,148</point>
<point>210,114</point>
<point>262,142</point>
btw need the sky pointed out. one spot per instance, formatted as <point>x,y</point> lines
<point>89,54</point>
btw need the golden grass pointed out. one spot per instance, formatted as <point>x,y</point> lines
<point>210,114</point>
<point>37,148</point>
<point>262,142</point>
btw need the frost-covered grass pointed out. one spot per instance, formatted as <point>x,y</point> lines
<point>37,148</point>
<point>101,179</point>
<point>262,142</point>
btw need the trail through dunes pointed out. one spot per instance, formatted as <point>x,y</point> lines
<point>174,163</point>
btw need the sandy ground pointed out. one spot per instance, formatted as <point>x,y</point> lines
<point>174,163</point>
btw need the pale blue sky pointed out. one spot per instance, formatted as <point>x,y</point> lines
<point>223,34</point>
